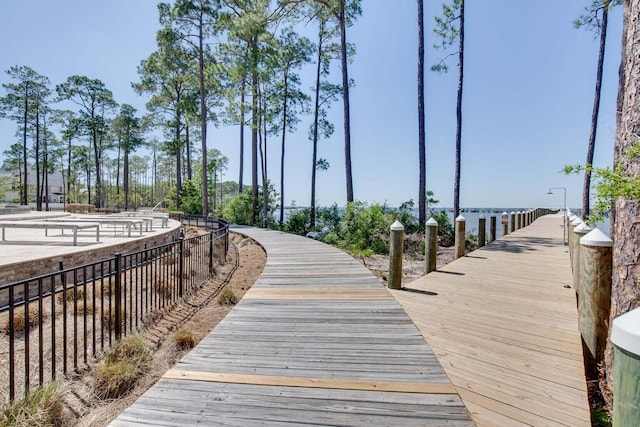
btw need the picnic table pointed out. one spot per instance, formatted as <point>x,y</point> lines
<point>55,224</point>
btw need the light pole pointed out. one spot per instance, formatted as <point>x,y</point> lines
<point>564,211</point>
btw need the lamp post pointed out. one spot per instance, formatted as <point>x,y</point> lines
<point>564,211</point>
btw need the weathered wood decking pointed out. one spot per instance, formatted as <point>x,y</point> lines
<point>504,327</point>
<point>318,340</point>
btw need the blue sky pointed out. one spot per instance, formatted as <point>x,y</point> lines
<point>528,95</point>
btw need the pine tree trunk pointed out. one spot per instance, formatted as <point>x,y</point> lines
<point>456,185</point>
<point>586,188</point>
<point>25,189</point>
<point>625,292</point>
<point>284,132</point>
<point>38,199</point>
<point>345,98</point>
<point>422,185</point>
<point>255,124</point>
<point>125,180</point>
<point>203,116</point>
<point>316,114</point>
<point>242,112</point>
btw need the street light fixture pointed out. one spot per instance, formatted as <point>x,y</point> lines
<point>564,211</point>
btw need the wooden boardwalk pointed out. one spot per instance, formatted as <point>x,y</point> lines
<point>318,340</point>
<point>503,324</point>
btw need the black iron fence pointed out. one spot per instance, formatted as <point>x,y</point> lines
<point>52,325</point>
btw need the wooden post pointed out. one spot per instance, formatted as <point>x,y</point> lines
<point>505,224</point>
<point>492,228</point>
<point>572,226</point>
<point>482,230</point>
<point>626,369</point>
<point>518,220</point>
<point>579,232</point>
<point>395,256</point>
<point>460,237</point>
<point>594,300</point>
<point>513,221</point>
<point>430,246</point>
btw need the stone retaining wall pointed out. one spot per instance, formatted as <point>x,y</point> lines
<point>25,270</point>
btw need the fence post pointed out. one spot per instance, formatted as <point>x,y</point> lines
<point>395,256</point>
<point>492,228</point>
<point>513,221</point>
<point>459,240</point>
<point>594,300</point>
<point>579,232</point>
<point>431,245</point>
<point>626,368</point>
<point>118,296</point>
<point>482,230</point>
<point>181,268</point>
<point>211,252</point>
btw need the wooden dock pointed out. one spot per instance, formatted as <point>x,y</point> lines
<point>503,324</point>
<point>318,340</point>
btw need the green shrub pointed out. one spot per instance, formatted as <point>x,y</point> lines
<point>298,222</point>
<point>366,227</point>
<point>445,228</point>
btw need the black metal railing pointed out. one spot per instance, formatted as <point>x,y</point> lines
<point>55,324</point>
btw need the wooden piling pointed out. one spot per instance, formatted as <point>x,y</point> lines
<point>579,232</point>
<point>492,228</point>
<point>518,220</point>
<point>626,369</point>
<point>460,237</point>
<point>482,230</point>
<point>430,245</point>
<point>396,248</point>
<point>594,299</point>
<point>505,223</point>
<point>513,221</point>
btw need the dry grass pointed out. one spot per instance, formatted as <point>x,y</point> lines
<point>163,289</point>
<point>122,368</point>
<point>19,319</point>
<point>184,339</point>
<point>41,407</point>
<point>70,296</point>
<point>110,320</point>
<point>227,297</point>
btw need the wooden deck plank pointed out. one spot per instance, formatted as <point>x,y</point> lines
<point>317,340</point>
<point>503,324</point>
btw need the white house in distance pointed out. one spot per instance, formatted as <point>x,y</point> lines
<point>9,181</point>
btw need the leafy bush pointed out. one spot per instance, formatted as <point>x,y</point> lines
<point>445,228</point>
<point>298,222</point>
<point>190,198</point>
<point>366,228</point>
<point>238,210</point>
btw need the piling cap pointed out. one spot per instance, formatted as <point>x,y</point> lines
<point>596,238</point>
<point>460,218</point>
<point>625,333</point>
<point>397,226</point>
<point>482,217</point>
<point>513,213</point>
<point>572,217</point>
<point>432,222</point>
<point>577,221</point>
<point>582,228</point>
<point>505,213</point>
